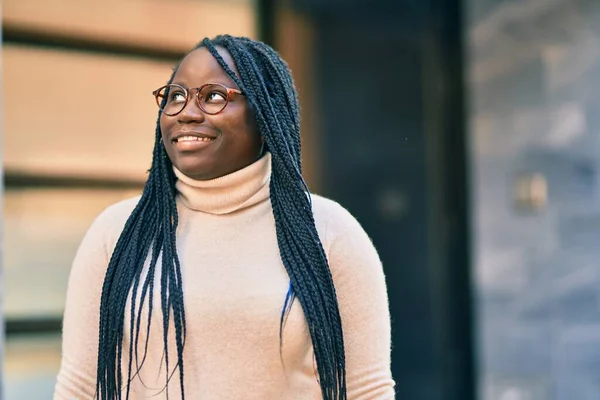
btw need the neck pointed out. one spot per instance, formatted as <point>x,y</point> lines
<point>226,194</point>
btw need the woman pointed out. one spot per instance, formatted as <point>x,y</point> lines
<point>226,279</point>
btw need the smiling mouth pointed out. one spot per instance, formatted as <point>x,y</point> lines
<point>185,139</point>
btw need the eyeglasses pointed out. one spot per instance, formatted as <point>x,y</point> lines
<point>212,98</point>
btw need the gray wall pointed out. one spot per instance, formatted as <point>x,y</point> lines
<point>534,87</point>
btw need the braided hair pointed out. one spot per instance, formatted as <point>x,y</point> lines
<point>150,234</point>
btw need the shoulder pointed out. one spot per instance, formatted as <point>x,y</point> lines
<point>349,249</point>
<point>117,212</point>
<point>333,221</point>
<point>99,241</point>
<point>121,209</point>
<point>326,210</point>
<point>110,222</point>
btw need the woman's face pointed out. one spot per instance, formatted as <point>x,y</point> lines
<point>230,139</point>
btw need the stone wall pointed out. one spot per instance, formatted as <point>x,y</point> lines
<point>534,115</point>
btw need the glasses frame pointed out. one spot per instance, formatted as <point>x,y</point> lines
<point>188,91</point>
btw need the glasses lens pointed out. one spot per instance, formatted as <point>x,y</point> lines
<point>213,98</point>
<point>176,99</point>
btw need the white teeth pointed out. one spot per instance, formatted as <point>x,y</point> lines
<point>193,139</point>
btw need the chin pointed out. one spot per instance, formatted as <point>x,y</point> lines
<point>196,171</point>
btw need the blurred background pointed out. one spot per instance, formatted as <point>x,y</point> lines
<point>463,135</point>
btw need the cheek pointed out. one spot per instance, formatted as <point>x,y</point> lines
<point>240,127</point>
<point>250,121</point>
<point>251,133</point>
<point>162,125</point>
<point>247,137</point>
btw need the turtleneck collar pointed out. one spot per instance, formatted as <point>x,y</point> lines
<point>229,193</point>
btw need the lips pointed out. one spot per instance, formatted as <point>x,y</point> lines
<point>192,139</point>
<point>192,136</point>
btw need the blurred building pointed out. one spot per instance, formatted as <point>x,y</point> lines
<point>534,125</point>
<point>463,135</point>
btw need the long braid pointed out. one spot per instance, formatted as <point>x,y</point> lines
<point>150,232</point>
<point>267,83</point>
<point>150,229</point>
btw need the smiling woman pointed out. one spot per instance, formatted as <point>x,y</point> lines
<point>227,278</point>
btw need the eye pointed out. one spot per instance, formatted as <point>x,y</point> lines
<point>176,96</point>
<point>215,97</point>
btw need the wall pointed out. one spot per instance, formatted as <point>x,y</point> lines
<point>534,73</point>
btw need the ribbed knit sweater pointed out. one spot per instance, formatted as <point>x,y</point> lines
<point>234,286</point>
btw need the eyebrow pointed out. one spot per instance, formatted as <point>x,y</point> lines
<point>220,81</point>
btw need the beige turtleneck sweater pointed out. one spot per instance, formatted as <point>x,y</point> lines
<point>235,285</point>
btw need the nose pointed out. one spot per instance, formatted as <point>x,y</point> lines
<point>191,113</point>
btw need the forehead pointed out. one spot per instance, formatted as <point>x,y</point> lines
<point>200,67</point>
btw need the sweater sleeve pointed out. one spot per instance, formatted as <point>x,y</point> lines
<point>77,376</point>
<point>362,296</point>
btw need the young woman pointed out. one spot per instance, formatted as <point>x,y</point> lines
<point>226,279</point>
